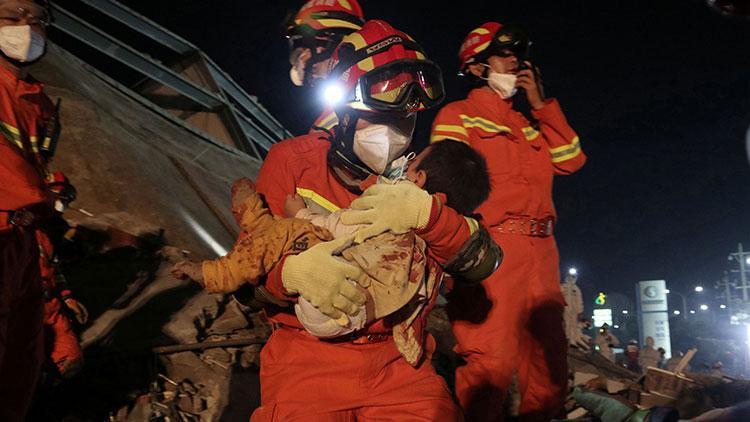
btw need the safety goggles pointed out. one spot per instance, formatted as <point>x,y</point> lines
<point>510,41</point>
<point>405,85</point>
<point>63,191</point>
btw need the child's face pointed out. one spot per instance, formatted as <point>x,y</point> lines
<point>418,177</point>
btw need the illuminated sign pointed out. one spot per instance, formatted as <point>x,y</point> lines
<point>653,318</point>
<point>601,299</point>
<point>602,316</point>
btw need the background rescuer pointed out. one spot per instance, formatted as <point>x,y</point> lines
<point>25,112</point>
<point>522,331</point>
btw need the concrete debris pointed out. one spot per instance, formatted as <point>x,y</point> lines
<point>612,394</point>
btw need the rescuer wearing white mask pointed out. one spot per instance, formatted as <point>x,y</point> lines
<point>522,334</point>
<point>380,79</point>
<point>25,114</point>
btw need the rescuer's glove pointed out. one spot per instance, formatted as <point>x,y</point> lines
<point>396,207</point>
<point>79,311</point>
<point>321,278</point>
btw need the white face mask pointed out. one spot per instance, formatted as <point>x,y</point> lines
<point>20,43</point>
<point>377,145</point>
<point>504,84</point>
<point>297,75</point>
<point>59,205</point>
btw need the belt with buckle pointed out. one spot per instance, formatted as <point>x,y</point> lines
<point>537,227</point>
<point>18,218</point>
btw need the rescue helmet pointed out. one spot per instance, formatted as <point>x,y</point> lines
<point>492,38</point>
<point>381,69</point>
<point>326,17</point>
<point>319,26</point>
<point>59,184</point>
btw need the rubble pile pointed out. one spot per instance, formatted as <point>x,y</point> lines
<point>613,394</point>
<point>217,359</point>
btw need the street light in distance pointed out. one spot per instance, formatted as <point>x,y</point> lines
<point>676,312</point>
<point>704,307</point>
<point>698,289</point>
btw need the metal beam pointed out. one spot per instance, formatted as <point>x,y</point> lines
<point>72,25</point>
<point>141,24</point>
<point>247,102</point>
<point>253,133</point>
<point>174,42</point>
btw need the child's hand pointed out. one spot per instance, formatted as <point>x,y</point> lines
<point>186,270</point>
<point>293,204</point>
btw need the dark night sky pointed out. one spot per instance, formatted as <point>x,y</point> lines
<point>659,92</point>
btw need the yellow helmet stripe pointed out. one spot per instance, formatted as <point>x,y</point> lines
<point>481,31</point>
<point>338,23</point>
<point>356,40</point>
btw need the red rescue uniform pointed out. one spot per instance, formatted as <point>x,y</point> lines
<point>307,379</point>
<point>515,325</point>
<point>60,341</point>
<point>24,109</point>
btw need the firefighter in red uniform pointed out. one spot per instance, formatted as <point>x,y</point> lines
<point>522,330</point>
<point>385,79</point>
<point>60,340</point>
<point>24,114</point>
<point>313,33</point>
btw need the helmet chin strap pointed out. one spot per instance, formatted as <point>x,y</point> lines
<point>341,154</point>
<point>20,64</point>
<point>316,58</point>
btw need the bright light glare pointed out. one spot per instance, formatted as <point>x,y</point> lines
<point>698,289</point>
<point>573,271</point>
<point>333,93</point>
<point>624,311</point>
<point>692,311</point>
<point>204,235</point>
<point>616,326</point>
<point>704,307</point>
<point>676,312</point>
<point>747,260</point>
<point>723,306</point>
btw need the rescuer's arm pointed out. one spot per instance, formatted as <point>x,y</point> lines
<point>21,186</point>
<point>274,180</point>
<point>457,242</point>
<point>562,141</point>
